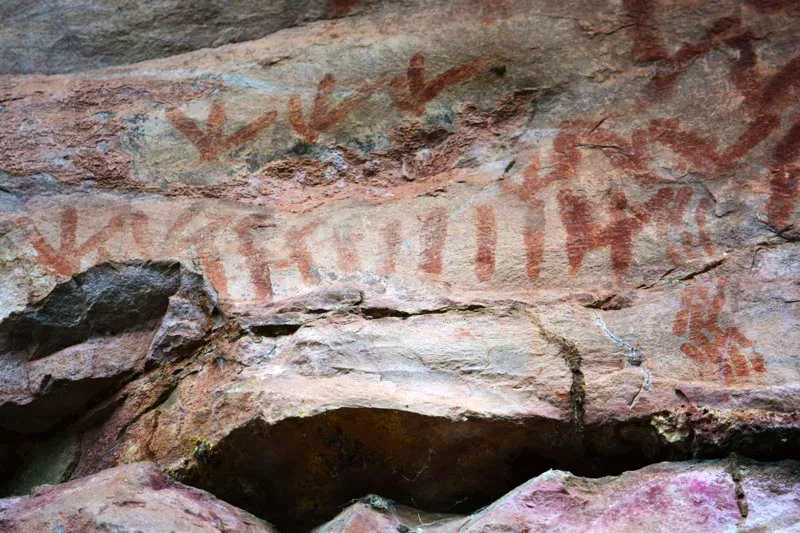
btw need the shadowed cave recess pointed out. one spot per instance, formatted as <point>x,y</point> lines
<point>300,472</point>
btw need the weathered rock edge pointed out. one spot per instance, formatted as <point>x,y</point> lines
<point>134,497</point>
<point>722,495</point>
<point>718,495</point>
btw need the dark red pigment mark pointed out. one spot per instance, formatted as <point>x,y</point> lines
<point>624,222</point>
<point>647,42</point>
<point>703,207</point>
<point>391,236</point>
<point>412,91</point>
<point>179,238</point>
<point>708,342</point>
<point>182,237</point>
<point>533,237</point>
<point>298,252</point>
<point>671,67</point>
<point>139,224</point>
<point>433,235</point>
<point>688,248</point>
<point>257,264</point>
<point>344,240</point>
<point>533,231</point>
<point>341,8</point>
<point>486,237</point>
<point>566,159</point>
<point>784,190</point>
<point>633,157</point>
<point>699,151</point>
<point>214,269</point>
<point>213,142</point>
<point>630,157</point>
<point>67,258</point>
<point>763,99</point>
<point>323,116</point>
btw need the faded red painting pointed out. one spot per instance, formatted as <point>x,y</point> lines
<point>710,340</point>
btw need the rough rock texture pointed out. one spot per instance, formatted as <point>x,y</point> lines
<point>69,35</point>
<point>666,497</point>
<point>93,333</point>
<point>428,250</point>
<point>130,498</point>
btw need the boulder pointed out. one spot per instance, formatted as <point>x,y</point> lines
<point>689,496</point>
<point>129,498</point>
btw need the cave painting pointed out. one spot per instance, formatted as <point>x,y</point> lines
<point>413,90</point>
<point>213,142</point>
<point>434,233</point>
<point>323,116</point>
<point>610,222</point>
<point>224,243</point>
<point>585,233</point>
<point>255,259</point>
<point>486,237</point>
<point>709,341</point>
<point>764,97</point>
<point>66,259</point>
<point>409,91</point>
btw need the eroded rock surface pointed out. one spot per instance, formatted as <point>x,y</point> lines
<point>66,36</point>
<point>428,250</point>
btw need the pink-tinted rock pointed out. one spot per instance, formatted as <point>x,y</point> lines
<point>374,514</point>
<point>666,497</point>
<point>136,497</point>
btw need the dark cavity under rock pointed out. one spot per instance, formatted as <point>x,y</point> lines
<point>300,472</point>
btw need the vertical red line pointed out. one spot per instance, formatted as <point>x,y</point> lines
<point>486,236</point>
<point>533,237</point>
<point>391,236</point>
<point>434,232</point>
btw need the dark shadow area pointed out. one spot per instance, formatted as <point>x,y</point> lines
<point>301,472</point>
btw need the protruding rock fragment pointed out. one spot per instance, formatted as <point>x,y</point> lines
<point>94,332</point>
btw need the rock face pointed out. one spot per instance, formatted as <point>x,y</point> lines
<point>65,36</point>
<point>136,497</point>
<point>93,333</point>
<point>710,496</point>
<point>427,250</point>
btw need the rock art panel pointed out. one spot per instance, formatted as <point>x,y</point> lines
<point>338,255</point>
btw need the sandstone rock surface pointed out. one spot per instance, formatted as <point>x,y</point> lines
<point>64,36</point>
<point>135,497</point>
<point>427,250</point>
<point>665,497</point>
